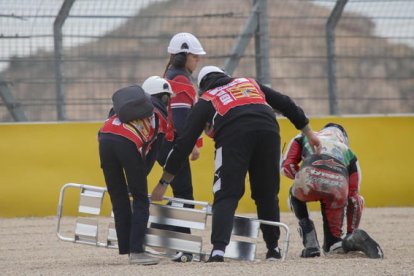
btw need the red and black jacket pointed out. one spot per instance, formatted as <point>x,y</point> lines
<point>185,96</point>
<point>142,132</point>
<point>242,117</point>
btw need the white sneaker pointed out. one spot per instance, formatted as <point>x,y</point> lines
<point>142,259</point>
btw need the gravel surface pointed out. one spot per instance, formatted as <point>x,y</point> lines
<point>29,246</point>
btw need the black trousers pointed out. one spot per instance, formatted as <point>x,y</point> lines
<point>256,152</point>
<point>125,171</point>
<point>182,185</point>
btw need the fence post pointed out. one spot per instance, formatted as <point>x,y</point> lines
<point>242,42</point>
<point>262,44</point>
<point>14,107</point>
<point>58,45</point>
<point>330,46</point>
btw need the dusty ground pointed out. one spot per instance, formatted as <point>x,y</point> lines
<point>29,246</point>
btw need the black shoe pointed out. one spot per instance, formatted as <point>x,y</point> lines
<point>215,259</point>
<point>310,252</point>
<point>335,248</point>
<point>182,257</point>
<point>273,254</point>
<point>359,240</point>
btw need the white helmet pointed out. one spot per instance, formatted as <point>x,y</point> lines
<point>155,85</point>
<point>207,70</point>
<point>187,43</point>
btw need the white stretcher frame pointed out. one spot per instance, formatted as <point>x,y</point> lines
<point>85,227</point>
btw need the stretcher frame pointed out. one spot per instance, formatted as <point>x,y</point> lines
<point>242,245</point>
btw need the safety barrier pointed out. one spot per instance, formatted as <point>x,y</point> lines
<point>161,240</point>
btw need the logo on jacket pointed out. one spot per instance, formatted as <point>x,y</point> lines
<point>244,90</point>
<point>142,125</point>
<point>329,163</point>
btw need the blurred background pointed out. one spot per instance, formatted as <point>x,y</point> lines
<point>61,60</point>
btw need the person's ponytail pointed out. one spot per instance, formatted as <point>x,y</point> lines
<point>169,64</point>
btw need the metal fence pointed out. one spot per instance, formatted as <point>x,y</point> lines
<point>331,57</point>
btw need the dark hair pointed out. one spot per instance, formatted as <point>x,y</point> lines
<point>176,60</point>
<point>179,60</point>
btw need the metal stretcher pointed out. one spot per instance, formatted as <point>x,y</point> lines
<point>89,230</point>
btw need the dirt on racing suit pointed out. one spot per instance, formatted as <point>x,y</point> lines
<point>333,177</point>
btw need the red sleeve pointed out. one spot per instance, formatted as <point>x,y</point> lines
<point>181,100</point>
<point>355,202</point>
<point>353,184</point>
<point>183,80</point>
<point>199,143</point>
<point>354,172</point>
<point>290,164</point>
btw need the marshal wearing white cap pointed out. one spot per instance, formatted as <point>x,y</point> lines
<point>185,52</point>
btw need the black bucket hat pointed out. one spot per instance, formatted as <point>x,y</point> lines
<point>132,103</point>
